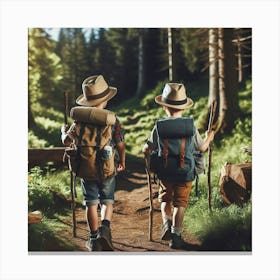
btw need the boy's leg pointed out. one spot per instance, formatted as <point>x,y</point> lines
<point>165,208</point>
<point>92,217</point>
<point>178,216</point>
<point>91,200</point>
<point>106,211</point>
<point>181,198</point>
<point>165,198</point>
<point>107,190</point>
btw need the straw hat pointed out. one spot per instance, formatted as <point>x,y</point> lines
<point>174,96</point>
<point>95,91</point>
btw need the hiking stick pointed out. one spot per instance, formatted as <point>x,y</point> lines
<point>210,124</point>
<point>150,199</point>
<point>73,203</point>
<point>66,108</point>
<point>72,180</point>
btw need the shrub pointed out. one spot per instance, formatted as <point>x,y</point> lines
<point>39,195</point>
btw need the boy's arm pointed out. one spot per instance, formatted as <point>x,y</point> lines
<point>146,150</point>
<point>68,134</point>
<point>118,137</point>
<point>209,137</point>
<point>151,143</point>
<point>121,152</point>
<point>66,140</point>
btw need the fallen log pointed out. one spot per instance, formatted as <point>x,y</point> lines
<point>42,155</point>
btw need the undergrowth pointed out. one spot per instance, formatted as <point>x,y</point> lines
<point>45,236</point>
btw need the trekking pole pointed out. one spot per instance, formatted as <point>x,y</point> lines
<point>150,199</point>
<point>73,203</point>
<point>66,107</point>
<point>72,178</point>
<point>210,124</point>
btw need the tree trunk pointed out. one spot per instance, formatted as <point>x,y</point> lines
<point>228,90</point>
<point>170,54</point>
<point>221,72</point>
<point>213,69</point>
<point>231,79</point>
<point>239,58</point>
<point>141,64</point>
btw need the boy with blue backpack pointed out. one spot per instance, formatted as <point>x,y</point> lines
<point>171,147</point>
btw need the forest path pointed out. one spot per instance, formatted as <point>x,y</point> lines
<point>130,223</point>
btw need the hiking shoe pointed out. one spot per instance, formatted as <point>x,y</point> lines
<point>177,242</point>
<point>166,230</point>
<point>93,244</point>
<point>105,238</point>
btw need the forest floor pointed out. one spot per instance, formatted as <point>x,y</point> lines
<point>130,223</point>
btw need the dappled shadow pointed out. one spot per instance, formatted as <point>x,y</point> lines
<point>53,137</point>
<point>134,176</point>
<point>228,240</point>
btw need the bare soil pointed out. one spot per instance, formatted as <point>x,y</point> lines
<point>130,224</point>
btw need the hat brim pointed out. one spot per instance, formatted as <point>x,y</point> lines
<point>189,103</point>
<point>81,100</point>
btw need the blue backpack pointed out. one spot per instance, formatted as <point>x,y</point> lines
<point>174,160</point>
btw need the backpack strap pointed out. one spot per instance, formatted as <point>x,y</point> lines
<point>82,131</point>
<point>165,152</point>
<point>182,152</point>
<point>98,153</point>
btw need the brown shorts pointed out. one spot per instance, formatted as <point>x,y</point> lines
<point>179,193</point>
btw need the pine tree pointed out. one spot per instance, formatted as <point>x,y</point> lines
<point>72,49</point>
<point>228,89</point>
<point>44,71</point>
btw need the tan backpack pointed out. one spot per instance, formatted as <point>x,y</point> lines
<point>91,156</point>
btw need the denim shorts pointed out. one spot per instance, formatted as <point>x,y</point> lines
<point>96,192</point>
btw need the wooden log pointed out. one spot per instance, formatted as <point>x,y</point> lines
<point>42,155</point>
<point>235,183</point>
<point>34,217</point>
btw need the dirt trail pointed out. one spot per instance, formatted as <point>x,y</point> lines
<point>130,224</point>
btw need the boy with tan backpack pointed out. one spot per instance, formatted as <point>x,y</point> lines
<point>92,141</point>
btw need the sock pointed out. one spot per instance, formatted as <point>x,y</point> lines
<point>176,230</point>
<point>165,219</point>
<point>93,234</point>
<point>106,223</point>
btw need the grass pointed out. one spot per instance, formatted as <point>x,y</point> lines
<point>43,185</point>
<point>46,236</point>
<point>46,133</point>
<point>225,228</point>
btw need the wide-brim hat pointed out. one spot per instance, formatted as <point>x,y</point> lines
<point>174,96</point>
<point>95,91</point>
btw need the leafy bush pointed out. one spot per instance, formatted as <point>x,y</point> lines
<point>39,194</point>
<point>43,185</point>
